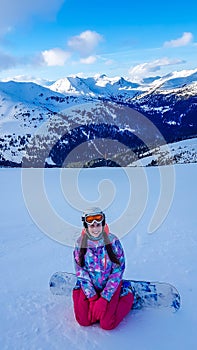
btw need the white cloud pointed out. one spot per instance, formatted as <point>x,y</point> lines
<point>88,60</point>
<point>147,69</point>
<point>85,43</point>
<point>184,40</point>
<point>55,57</point>
<point>13,12</point>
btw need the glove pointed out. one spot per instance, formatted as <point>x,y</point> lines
<point>99,309</point>
<point>92,302</point>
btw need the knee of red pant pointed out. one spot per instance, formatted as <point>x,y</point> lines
<point>107,326</point>
<point>83,322</point>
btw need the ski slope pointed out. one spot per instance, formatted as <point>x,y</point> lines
<point>31,318</point>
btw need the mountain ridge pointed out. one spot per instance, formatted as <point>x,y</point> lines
<point>169,102</point>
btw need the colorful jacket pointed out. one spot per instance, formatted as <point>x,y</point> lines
<point>99,274</point>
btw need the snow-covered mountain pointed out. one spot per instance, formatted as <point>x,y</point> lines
<point>119,87</point>
<point>29,111</point>
<point>98,86</point>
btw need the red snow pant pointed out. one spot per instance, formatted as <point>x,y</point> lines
<point>117,308</point>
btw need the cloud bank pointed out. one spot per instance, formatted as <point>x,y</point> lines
<point>7,61</point>
<point>147,69</point>
<point>17,11</point>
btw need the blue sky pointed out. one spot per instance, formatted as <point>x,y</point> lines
<point>58,38</point>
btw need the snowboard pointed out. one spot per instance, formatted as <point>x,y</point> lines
<point>146,294</point>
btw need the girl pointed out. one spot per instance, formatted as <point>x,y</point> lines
<point>99,262</point>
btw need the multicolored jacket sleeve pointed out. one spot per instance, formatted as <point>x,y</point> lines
<point>117,271</point>
<point>83,276</point>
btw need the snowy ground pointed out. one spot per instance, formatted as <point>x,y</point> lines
<point>33,319</point>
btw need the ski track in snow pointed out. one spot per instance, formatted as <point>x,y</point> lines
<point>33,319</point>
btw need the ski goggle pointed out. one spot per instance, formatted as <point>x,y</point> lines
<point>90,219</point>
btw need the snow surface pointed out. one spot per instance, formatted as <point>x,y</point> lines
<point>33,319</point>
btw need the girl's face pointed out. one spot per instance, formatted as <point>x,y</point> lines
<point>95,229</point>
